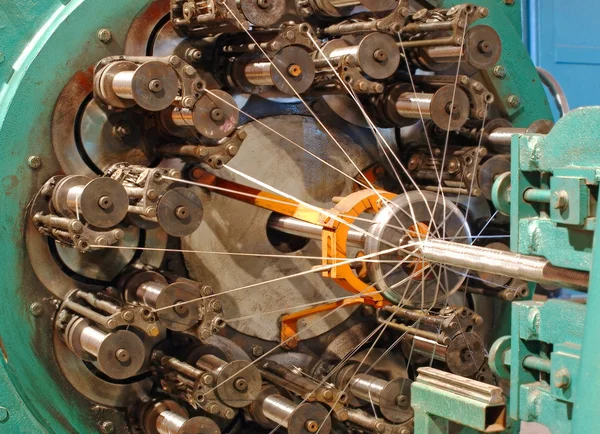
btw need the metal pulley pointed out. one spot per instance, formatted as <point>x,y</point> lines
<point>168,417</point>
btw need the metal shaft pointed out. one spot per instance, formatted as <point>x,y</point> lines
<point>509,264</point>
<point>367,387</point>
<point>293,226</point>
<point>413,105</point>
<point>169,422</point>
<point>278,409</point>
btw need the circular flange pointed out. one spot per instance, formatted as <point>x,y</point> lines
<point>215,116</point>
<point>263,13</point>
<point>199,425</point>
<point>450,108</point>
<point>489,171</point>
<point>483,47</point>
<point>115,362</point>
<point>298,68</point>
<point>394,401</point>
<point>147,92</point>
<point>104,202</point>
<point>179,212</point>
<point>179,317</point>
<point>465,354</point>
<point>391,228</point>
<point>226,380</point>
<point>501,191</point>
<point>496,357</point>
<point>378,55</point>
<point>309,418</point>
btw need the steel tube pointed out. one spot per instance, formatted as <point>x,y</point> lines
<point>259,73</point>
<point>509,264</point>
<point>169,422</point>
<point>122,84</point>
<point>91,339</point>
<point>502,137</point>
<point>537,364</point>
<point>537,195</point>
<point>445,53</point>
<point>148,292</point>
<point>278,409</point>
<point>367,387</point>
<point>413,105</point>
<point>293,226</point>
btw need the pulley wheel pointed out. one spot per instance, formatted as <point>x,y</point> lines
<point>297,67</point>
<point>215,116</point>
<point>229,389</point>
<point>406,279</point>
<point>483,47</point>
<point>450,107</point>
<point>121,355</point>
<point>309,418</point>
<point>154,86</point>
<point>378,55</point>
<point>394,401</point>
<point>263,13</point>
<point>465,354</point>
<point>179,212</point>
<point>104,202</point>
<point>489,172</point>
<point>178,317</point>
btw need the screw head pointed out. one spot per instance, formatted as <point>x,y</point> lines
<point>240,384</point>
<point>107,427</point>
<point>560,200</point>
<point>3,414</point>
<point>34,162</point>
<point>207,379</point>
<point>500,71</point>
<point>514,101</point>
<point>562,378</point>
<point>36,308</point>
<point>128,315</point>
<point>122,355</point>
<point>104,35</point>
<point>257,350</point>
<point>155,85</point>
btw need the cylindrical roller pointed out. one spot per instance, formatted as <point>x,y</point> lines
<point>177,305</point>
<point>392,397</point>
<point>449,107</point>
<point>179,212</point>
<point>292,71</point>
<point>153,85</point>
<point>502,137</point>
<point>294,226</point>
<point>509,264</point>
<point>102,202</point>
<point>376,54</point>
<point>119,355</point>
<point>215,115</point>
<point>168,417</point>
<point>270,408</point>
<point>238,382</point>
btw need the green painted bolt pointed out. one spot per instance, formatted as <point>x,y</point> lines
<point>3,414</point>
<point>500,71</point>
<point>34,162</point>
<point>514,101</point>
<point>562,378</point>
<point>36,309</point>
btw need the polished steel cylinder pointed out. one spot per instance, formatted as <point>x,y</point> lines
<point>182,117</point>
<point>367,387</point>
<point>278,409</point>
<point>148,292</point>
<point>123,84</point>
<point>414,105</point>
<point>259,73</point>
<point>73,197</point>
<point>91,339</point>
<point>509,264</point>
<point>212,364</point>
<point>429,348</point>
<point>294,226</point>
<point>502,137</point>
<point>444,54</point>
<point>169,422</point>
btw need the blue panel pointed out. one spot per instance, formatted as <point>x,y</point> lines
<point>565,40</point>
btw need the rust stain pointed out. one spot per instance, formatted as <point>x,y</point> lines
<point>85,79</point>
<point>3,350</point>
<point>10,183</point>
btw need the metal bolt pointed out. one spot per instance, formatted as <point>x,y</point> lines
<point>212,408</point>
<point>76,226</point>
<point>380,55</point>
<point>562,378</point>
<point>107,427</point>
<point>155,85</point>
<point>232,150</point>
<point>514,101</point>
<point>36,308</point>
<point>3,414</point>
<point>207,379</point>
<point>275,45</point>
<point>111,323</point>
<point>500,71</point>
<point>189,71</point>
<point>257,350</point>
<point>380,427</point>
<point>560,200</point>
<point>122,355</point>
<point>174,61</point>
<point>290,35</point>
<point>152,194</point>
<point>401,400</point>
<point>104,35</point>
<point>194,55</point>
<point>217,114</point>
<point>151,212</point>
<point>478,87</point>
<point>181,212</point>
<point>105,202</point>
<point>216,305</point>
<point>229,413</point>
<point>102,241</point>
<point>240,384</point>
<point>263,4</point>
<point>188,102</point>
<point>311,426</point>
<point>118,234</point>
<point>328,394</point>
<point>204,334</point>
<point>207,290</point>
<point>128,315</point>
<point>153,331</point>
<point>34,162</point>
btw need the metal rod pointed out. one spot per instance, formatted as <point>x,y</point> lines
<point>293,226</point>
<point>537,364</point>
<point>169,422</point>
<point>413,331</point>
<point>414,105</point>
